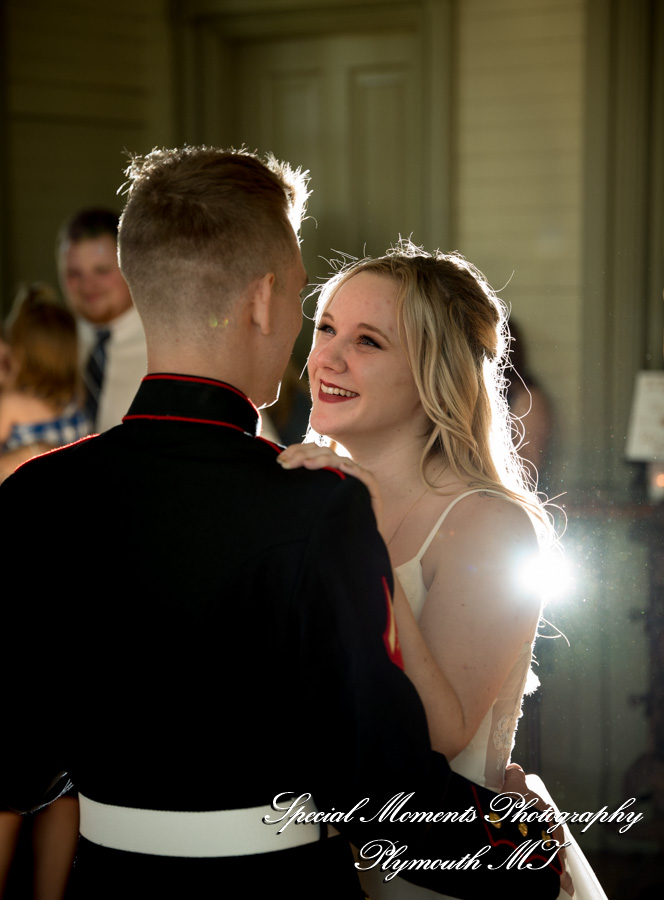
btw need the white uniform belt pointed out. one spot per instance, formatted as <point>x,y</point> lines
<point>223,832</point>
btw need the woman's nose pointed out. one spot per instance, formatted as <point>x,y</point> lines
<point>329,355</point>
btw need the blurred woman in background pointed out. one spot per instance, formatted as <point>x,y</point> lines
<point>40,405</point>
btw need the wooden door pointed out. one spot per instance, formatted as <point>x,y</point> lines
<point>346,107</point>
<point>356,93</point>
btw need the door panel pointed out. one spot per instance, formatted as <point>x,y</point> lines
<point>347,108</point>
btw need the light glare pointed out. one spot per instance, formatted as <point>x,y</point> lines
<point>547,574</point>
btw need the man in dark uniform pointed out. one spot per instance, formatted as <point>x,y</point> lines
<point>237,670</point>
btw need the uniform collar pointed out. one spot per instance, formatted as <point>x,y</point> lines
<point>190,398</point>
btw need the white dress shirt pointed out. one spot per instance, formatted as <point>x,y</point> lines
<point>126,364</point>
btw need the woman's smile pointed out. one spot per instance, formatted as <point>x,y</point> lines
<point>331,393</point>
<point>361,382</point>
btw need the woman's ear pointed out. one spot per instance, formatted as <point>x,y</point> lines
<point>261,301</point>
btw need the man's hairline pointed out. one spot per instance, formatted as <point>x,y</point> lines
<point>66,243</point>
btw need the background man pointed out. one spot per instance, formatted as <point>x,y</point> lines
<point>243,644</point>
<point>113,353</point>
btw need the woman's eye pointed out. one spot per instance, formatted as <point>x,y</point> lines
<point>369,342</point>
<point>326,329</point>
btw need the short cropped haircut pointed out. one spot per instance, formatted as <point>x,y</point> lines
<point>200,224</point>
<point>88,224</point>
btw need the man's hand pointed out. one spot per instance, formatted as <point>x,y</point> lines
<point>515,783</point>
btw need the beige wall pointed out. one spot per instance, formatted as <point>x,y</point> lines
<point>84,83</point>
<point>519,206</point>
<point>518,193</point>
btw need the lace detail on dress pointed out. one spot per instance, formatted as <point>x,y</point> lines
<point>502,741</point>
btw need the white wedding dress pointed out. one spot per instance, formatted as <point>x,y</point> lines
<point>488,753</point>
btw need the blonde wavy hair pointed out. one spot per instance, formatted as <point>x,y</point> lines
<point>453,329</point>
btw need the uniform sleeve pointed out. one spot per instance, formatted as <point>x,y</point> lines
<point>35,694</point>
<point>371,742</point>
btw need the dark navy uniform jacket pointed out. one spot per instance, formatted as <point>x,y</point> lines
<point>207,631</point>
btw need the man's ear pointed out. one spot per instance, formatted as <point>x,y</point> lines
<point>261,302</point>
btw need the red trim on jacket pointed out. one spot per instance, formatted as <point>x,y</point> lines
<point>270,443</point>
<point>48,452</point>
<point>199,380</point>
<point>338,472</point>
<point>183,419</point>
<point>390,635</point>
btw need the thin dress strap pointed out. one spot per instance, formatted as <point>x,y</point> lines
<point>434,530</point>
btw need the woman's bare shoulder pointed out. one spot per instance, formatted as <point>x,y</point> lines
<point>483,530</point>
<point>487,511</point>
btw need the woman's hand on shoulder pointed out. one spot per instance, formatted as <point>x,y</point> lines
<point>311,456</point>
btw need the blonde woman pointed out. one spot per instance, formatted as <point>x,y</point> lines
<point>406,373</point>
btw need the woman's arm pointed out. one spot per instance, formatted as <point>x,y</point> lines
<point>441,703</point>
<point>477,615</point>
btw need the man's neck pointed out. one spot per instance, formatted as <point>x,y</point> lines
<point>183,360</point>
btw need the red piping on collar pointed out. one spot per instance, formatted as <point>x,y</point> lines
<point>198,380</point>
<point>270,443</point>
<point>185,419</point>
<point>338,472</point>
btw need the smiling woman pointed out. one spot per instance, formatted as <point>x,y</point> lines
<point>357,363</point>
<point>406,372</point>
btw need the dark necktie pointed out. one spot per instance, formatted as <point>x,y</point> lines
<point>94,374</point>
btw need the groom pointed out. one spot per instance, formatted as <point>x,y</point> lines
<point>232,683</point>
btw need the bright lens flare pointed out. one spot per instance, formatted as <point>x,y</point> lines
<point>547,574</point>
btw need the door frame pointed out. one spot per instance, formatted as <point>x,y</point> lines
<point>206,30</point>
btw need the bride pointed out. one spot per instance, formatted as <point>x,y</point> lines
<point>406,373</point>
